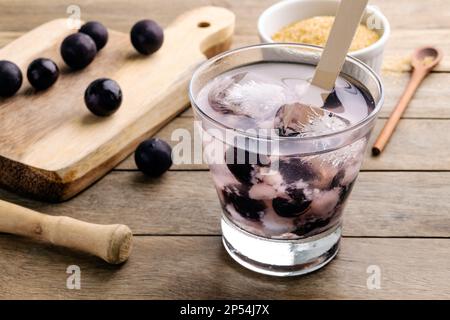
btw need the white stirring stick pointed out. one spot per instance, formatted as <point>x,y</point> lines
<point>329,67</point>
<point>344,28</point>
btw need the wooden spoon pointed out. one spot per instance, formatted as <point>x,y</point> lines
<point>423,61</point>
<point>112,243</point>
<point>330,65</point>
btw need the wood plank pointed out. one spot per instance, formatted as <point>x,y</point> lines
<point>417,144</point>
<point>424,103</point>
<point>399,48</point>
<point>189,268</point>
<point>404,14</point>
<point>410,22</point>
<point>403,42</point>
<point>386,204</point>
<point>407,14</point>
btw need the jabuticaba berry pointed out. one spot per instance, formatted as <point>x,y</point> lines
<point>295,169</point>
<point>332,101</point>
<point>239,165</point>
<point>337,179</point>
<point>310,225</point>
<point>97,32</point>
<point>147,36</point>
<point>345,192</point>
<point>103,97</point>
<point>42,73</point>
<point>153,157</point>
<point>10,78</point>
<point>242,164</point>
<point>248,208</point>
<point>292,207</point>
<point>78,50</point>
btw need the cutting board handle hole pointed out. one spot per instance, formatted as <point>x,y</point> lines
<point>203,24</point>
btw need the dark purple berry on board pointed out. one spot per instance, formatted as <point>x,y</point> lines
<point>42,73</point>
<point>10,78</point>
<point>147,36</point>
<point>103,97</point>
<point>78,50</point>
<point>248,208</point>
<point>97,32</point>
<point>153,157</point>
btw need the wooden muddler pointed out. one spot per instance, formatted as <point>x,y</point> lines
<point>112,243</point>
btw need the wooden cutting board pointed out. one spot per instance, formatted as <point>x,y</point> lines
<point>52,147</point>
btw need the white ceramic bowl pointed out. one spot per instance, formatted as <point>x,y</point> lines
<point>289,11</point>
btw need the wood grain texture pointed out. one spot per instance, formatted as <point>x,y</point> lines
<point>52,147</point>
<point>417,144</point>
<point>402,14</point>
<point>199,268</point>
<point>387,204</point>
<point>410,20</point>
<point>424,103</point>
<point>384,204</point>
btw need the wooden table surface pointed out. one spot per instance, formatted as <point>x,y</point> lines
<point>398,217</point>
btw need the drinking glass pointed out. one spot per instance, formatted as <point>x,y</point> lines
<point>253,234</point>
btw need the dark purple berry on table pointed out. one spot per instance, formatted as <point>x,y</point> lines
<point>10,78</point>
<point>103,97</point>
<point>248,208</point>
<point>293,207</point>
<point>78,50</point>
<point>153,157</point>
<point>294,169</point>
<point>242,164</point>
<point>147,36</point>
<point>42,73</point>
<point>97,32</point>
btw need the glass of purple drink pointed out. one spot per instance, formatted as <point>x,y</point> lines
<point>282,185</point>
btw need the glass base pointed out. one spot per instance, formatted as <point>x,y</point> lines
<point>280,257</point>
